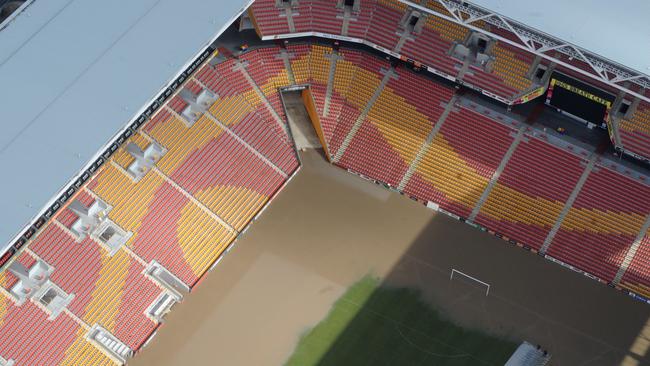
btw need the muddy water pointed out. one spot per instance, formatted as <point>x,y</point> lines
<point>329,228</point>
<point>325,231</point>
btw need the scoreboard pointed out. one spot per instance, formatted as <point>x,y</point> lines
<point>579,99</point>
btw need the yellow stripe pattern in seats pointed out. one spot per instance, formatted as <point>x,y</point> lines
<point>181,141</point>
<point>82,352</point>
<point>639,121</point>
<point>230,110</point>
<point>109,290</point>
<point>507,204</point>
<point>393,4</point>
<point>201,238</point>
<point>301,68</point>
<point>343,76</point>
<point>319,64</point>
<point>448,172</point>
<point>236,205</point>
<point>403,127</point>
<point>448,31</point>
<point>362,88</point>
<point>510,69</point>
<point>606,222</point>
<point>122,157</point>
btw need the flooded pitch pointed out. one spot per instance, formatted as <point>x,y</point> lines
<point>329,228</point>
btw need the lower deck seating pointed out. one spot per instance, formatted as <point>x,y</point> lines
<point>379,22</point>
<point>460,161</point>
<point>525,204</point>
<point>100,283</point>
<point>602,224</point>
<point>183,214</point>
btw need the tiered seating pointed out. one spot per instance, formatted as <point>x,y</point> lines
<point>603,223</point>
<point>360,21</point>
<point>433,44</point>
<point>302,16</point>
<point>343,76</point>
<point>512,66</point>
<point>488,81</point>
<point>324,16</point>
<point>30,339</point>
<point>386,17</point>
<point>233,82</point>
<point>378,22</point>
<point>268,18</point>
<point>525,203</point>
<point>447,30</point>
<point>233,182</point>
<point>129,200</point>
<point>269,74</point>
<point>110,291</point>
<point>226,76</point>
<point>319,64</point>
<point>425,95</point>
<point>27,261</point>
<point>319,75</point>
<point>635,131</point>
<point>637,276</point>
<point>181,141</point>
<point>460,161</point>
<point>366,80</point>
<point>259,134</point>
<point>371,155</point>
<point>38,340</point>
<point>390,137</point>
<point>301,63</point>
<point>274,75</point>
<point>182,214</point>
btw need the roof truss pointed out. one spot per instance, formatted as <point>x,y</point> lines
<point>539,43</point>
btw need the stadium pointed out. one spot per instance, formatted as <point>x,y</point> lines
<point>325,182</point>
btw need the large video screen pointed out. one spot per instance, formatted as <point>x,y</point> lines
<point>579,99</point>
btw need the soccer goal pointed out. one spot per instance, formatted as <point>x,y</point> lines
<point>463,274</point>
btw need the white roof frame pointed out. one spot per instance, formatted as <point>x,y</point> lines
<point>44,172</point>
<point>540,44</point>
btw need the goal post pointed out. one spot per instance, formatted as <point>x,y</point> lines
<point>463,274</point>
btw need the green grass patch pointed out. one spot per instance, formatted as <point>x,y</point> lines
<point>376,325</point>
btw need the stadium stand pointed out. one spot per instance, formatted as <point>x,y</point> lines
<point>132,241</point>
<point>635,131</point>
<point>602,223</point>
<point>460,161</point>
<point>525,204</point>
<point>381,23</point>
<point>267,16</point>
<point>172,219</point>
<point>398,142</point>
<point>637,275</point>
<point>384,26</point>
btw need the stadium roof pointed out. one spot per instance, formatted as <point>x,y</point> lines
<point>618,31</point>
<point>74,73</point>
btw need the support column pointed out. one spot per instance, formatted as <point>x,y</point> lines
<point>568,204</point>
<point>497,172</point>
<point>390,73</point>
